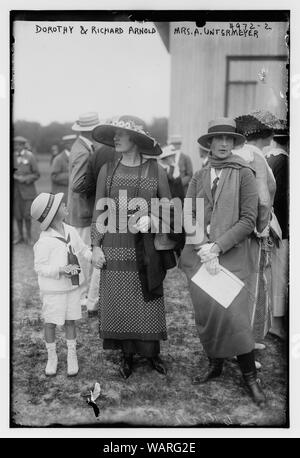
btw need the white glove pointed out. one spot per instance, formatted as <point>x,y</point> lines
<point>205,253</point>
<point>213,266</point>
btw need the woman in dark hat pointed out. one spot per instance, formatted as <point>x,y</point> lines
<point>131,303</point>
<point>227,186</point>
<point>278,159</point>
<point>258,127</point>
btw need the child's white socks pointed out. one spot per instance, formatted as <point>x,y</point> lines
<point>72,358</point>
<point>51,367</point>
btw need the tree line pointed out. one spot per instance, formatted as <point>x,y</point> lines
<point>41,138</point>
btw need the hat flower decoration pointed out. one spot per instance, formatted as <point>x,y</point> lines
<point>105,132</point>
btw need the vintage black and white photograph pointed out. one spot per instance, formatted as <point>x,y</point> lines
<point>149,218</point>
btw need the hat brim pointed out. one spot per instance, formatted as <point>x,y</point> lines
<point>49,218</point>
<point>168,154</point>
<point>78,128</point>
<point>204,139</point>
<point>105,134</point>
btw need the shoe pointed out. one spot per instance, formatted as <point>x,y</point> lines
<point>51,367</point>
<point>253,385</point>
<point>72,361</point>
<point>214,370</point>
<point>158,365</point>
<point>18,240</point>
<point>126,366</point>
<point>92,313</point>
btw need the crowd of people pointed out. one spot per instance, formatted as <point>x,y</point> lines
<point>118,274</point>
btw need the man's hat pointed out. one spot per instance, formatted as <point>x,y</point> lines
<point>221,126</point>
<point>20,139</point>
<point>167,151</point>
<point>69,138</point>
<point>44,208</point>
<point>86,122</point>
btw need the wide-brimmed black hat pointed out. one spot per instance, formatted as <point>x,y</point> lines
<point>221,126</point>
<point>105,132</point>
<point>257,122</point>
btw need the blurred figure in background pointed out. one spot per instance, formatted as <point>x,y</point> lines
<point>167,161</point>
<point>60,168</point>
<point>25,174</point>
<point>54,151</point>
<point>183,161</point>
<point>204,155</point>
<point>278,160</point>
<point>257,127</point>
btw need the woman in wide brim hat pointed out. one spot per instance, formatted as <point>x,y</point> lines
<point>258,127</point>
<point>221,126</point>
<point>131,303</point>
<point>227,188</point>
<point>104,133</point>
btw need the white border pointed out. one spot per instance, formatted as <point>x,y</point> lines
<point>294,430</point>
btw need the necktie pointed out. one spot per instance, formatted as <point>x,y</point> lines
<point>214,187</point>
<point>72,259</point>
<point>92,149</point>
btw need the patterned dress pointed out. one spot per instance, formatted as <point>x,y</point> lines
<point>125,319</point>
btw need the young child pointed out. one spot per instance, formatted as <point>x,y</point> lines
<point>59,275</point>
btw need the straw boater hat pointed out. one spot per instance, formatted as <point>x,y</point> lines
<point>167,151</point>
<point>105,132</point>
<point>44,208</point>
<point>221,126</point>
<point>86,122</point>
<point>257,122</point>
<point>20,139</point>
<point>69,138</point>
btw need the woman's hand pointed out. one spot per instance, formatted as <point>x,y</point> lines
<point>143,224</point>
<point>98,258</point>
<point>213,266</point>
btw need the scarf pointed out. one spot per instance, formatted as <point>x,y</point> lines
<point>226,210</point>
<point>233,162</point>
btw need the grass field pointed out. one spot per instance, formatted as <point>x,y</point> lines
<point>146,398</point>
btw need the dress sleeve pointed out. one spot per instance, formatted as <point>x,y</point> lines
<point>98,228</point>
<point>248,213</point>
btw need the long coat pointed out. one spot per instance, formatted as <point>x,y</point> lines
<point>60,174</point>
<point>26,166</point>
<point>80,206</point>
<point>223,332</point>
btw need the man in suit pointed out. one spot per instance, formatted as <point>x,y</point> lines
<point>25,174</point>
<point>84,183</point>
<point>81,205</point>
<point>60,167</point>
<point>183,161</point>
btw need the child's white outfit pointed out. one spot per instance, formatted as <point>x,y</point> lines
<point>61,300</point>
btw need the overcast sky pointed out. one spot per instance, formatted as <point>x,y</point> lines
<point>58,76</point>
